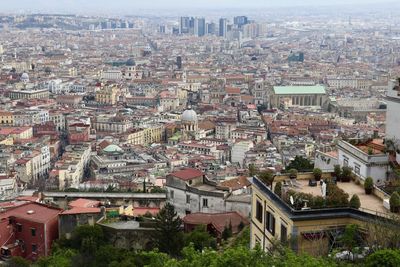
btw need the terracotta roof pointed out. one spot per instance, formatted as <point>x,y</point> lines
<point>33,211</point>
<point>187,174</point>
<point>84,203</point>
<point>236,183</point>
<point>80,210</point>
<point>217,220</point>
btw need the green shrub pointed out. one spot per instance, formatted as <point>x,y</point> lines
<point>355,202</point>
<point>394,202</point>
<point>336,197</point>
<point>346,174</point>
<point>278,189</point>
<point>368,185</point>
<point>317,174</point>
<point>337,171</point>
<point>384,258</point>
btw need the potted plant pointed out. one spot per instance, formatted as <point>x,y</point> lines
<point>317,174</point>
<point>355,202</point>
<point>292,173</point>
<point>346,174</point>
<point>337,172</point>
<point>394,202</point>
<point>368,185</point>
<point>278,189</point>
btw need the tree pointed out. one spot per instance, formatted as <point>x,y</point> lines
<point>384,258</point>
<point>266,176</point>
<point>368,185</point>
<point>301,164</point>
<point>252,170</point>
<point>350,238</point>
<point>278,189</point>
<point>346,174</point>
<point>394,202</point>
<point>168,235</point>
<point>200,238</point>
<point>338,172</point>
<point>317,174</point>
<point>87,238</point>
<point>355,202</point>
<point>227,232</point>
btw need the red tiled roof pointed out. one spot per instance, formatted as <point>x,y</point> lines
<point>218,220</point>
<point>84,203</point>
<point>236,183</point>
<point>40,213</point>
<point>80,210</point>
<point>187,174</point>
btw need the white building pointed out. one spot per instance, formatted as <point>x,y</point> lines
<point>364,164</point>
<point>393,111</point>
<point>239,150</point>
<point>111,75</point>
<point>190,191</point>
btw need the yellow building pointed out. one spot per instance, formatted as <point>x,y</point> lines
<point>135,137</point>
<point>305,230</point>
<point>153,134</point>
<point>107,95</point>
<point>6,118</point>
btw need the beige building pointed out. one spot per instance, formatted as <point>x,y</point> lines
<point>107,95</point>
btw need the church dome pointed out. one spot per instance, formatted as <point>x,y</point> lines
<point>112,149</point>
<point>189,115</point>
<point>24,77</point>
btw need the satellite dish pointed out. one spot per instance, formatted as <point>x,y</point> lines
<point>291,200</point>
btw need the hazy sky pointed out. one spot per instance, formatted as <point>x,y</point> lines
<point>89,6</point>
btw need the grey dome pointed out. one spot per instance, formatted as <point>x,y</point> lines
<point>189,115</point>
<point>24,77</point>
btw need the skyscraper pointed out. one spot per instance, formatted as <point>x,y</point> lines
<point>199,26</point>
<point>179,62</point>
<point>222,27</point>
<point>184,25</point>
<point>240,21</point>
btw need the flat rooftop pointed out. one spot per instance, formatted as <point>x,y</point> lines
<point>299,90</point>
<point>369,203</point>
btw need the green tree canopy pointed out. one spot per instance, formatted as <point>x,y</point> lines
<point>168,235</point>
<point>301,164</point>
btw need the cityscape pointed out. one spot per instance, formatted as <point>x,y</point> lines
<point>205,134</point>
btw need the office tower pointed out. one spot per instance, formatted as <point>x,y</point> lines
<point>179,62</point>
<point>210,28</point>
<point>162,29</point>
<point>199,26</point>
<point>184,25</point>
<point>222,27</point>
<point>240,21</point>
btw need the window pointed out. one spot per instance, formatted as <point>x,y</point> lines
<point>34,248</point>
<point>345,161</point>
<point>259,211</point>
<point>357,168</point>
<point>19,227</point>
<point>205,202</point>
<point>270,222</point>
<point>187,199</point>
<point>33,231</point>
<point>283,233</point>
<point>171,194</point>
